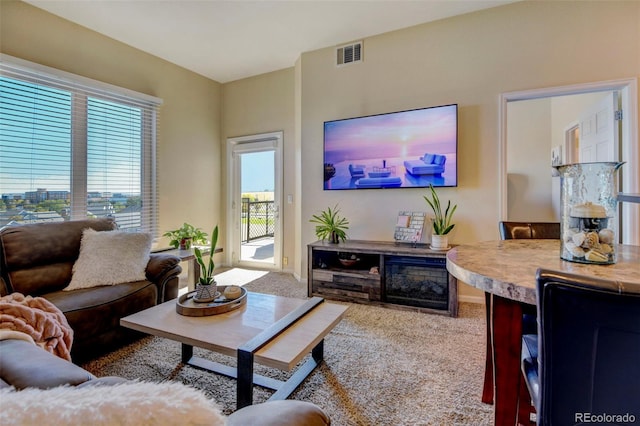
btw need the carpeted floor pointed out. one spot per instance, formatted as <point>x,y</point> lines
<point>382,366</point>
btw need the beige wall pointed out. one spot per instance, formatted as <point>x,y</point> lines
<point>264,104</point>
<point>189,167</point>
<point>469,60</point>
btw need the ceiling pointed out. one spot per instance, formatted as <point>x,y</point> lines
<point>234,39</point>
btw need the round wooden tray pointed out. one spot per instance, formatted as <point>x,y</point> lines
<point>186,306</point>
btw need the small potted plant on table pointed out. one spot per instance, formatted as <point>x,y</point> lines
<point>206,288</point>
<point>442,222</point>
<point>185,236</point>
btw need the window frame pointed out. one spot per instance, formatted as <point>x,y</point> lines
<point>81,89</point>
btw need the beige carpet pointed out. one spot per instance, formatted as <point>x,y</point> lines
<point>382,366</point>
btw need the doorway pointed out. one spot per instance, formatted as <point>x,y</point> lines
<point>572,145</point>
<point>626,149</point>
<point>254,164</point>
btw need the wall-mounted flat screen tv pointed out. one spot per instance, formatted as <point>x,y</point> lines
<point>404,149</point>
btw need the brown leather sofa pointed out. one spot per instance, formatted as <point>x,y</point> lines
<point>25,365</point>
<point>37,260</point>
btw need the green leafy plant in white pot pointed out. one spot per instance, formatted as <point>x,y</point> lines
<point>330,225</point>
<point>206,287</point>
<point>441,225</point>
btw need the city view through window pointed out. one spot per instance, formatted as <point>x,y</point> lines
<point>55,206</point>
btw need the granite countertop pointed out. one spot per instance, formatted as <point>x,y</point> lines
<point>508,268</point>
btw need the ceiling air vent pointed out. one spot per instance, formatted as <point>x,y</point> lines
<point>349,53</point>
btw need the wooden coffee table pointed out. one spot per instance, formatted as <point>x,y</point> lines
<point>274,331</point>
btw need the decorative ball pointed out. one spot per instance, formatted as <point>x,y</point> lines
<point>232,292</point>
<point>607,236</point>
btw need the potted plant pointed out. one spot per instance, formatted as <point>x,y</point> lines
<point>206,288</point>
<point>186,235</point>
<point>330,226</point>
<point>442,222</point>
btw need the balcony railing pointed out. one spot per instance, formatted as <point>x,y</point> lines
<point>258,219</point>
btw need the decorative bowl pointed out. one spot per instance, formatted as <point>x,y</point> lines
<point>348,262</point>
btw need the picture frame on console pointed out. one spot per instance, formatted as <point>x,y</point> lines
<point>409,227</point>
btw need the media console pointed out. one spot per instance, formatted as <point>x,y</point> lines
<point>399,275</point>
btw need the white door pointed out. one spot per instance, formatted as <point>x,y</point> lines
<point>599,131</point>
<point>255,178</point>
<point>599,141</point>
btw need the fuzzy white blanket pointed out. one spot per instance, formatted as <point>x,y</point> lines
<point>125,404</point>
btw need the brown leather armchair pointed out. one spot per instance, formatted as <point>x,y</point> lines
<point>37,260</point>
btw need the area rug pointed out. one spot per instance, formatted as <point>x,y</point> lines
<point>382,366</point>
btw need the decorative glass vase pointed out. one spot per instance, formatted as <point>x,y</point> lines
<point>589,219</point>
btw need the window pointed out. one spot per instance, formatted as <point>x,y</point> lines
<point>72,148</point>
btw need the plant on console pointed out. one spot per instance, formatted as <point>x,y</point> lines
<point>329,225</point>
<point>442,222</point>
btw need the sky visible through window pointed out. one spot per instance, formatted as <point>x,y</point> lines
<point>113,147</point>
<point>258,172</point>
<point>35,137</point>
<point>36,141</point>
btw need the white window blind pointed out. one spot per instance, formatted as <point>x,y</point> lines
<point>72,148</point>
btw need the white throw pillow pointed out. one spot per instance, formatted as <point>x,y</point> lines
<point>110,257</point>
<point>124,404</point>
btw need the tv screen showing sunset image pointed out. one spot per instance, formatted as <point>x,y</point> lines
<point>405,149</point>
